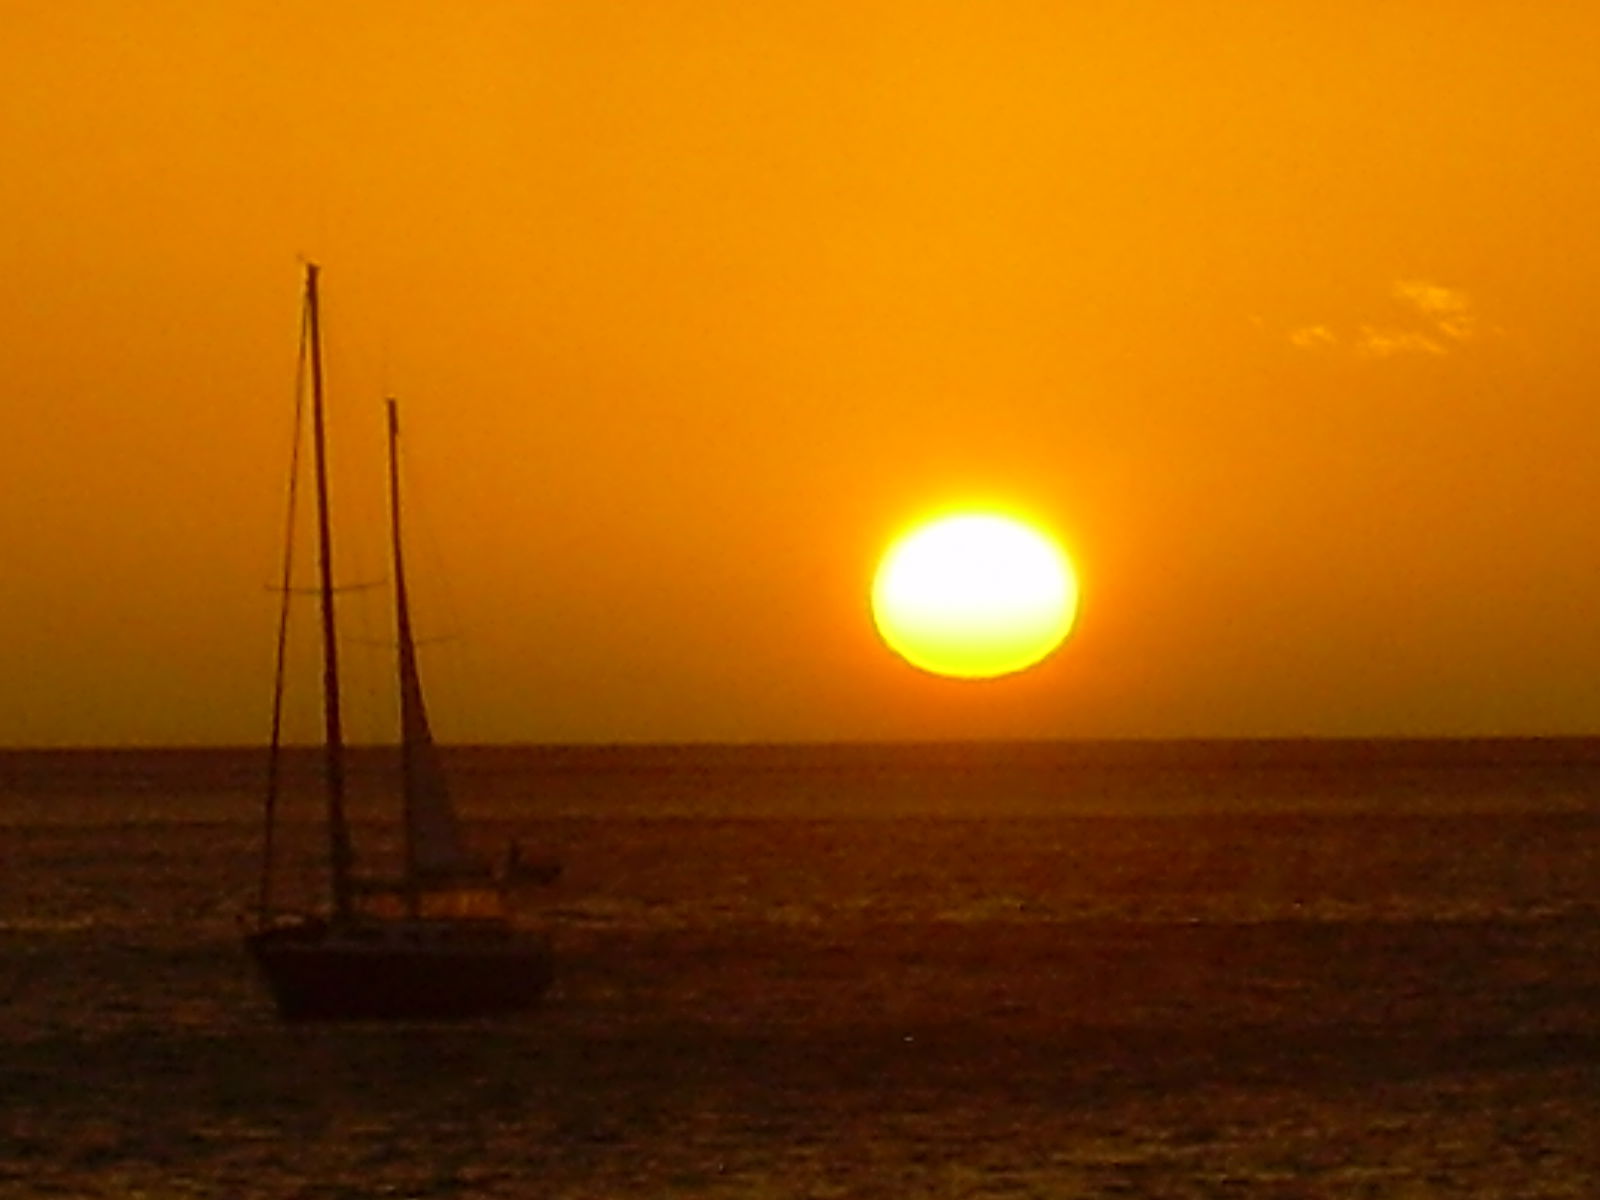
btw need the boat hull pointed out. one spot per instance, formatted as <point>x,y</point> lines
<point>399,973</point>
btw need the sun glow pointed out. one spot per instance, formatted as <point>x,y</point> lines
<point>974,596</point>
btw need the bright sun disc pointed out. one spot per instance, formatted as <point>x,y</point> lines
<point>974,596</point>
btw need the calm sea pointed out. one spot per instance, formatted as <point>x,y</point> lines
<point>1135,970</point>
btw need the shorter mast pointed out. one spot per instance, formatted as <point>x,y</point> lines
<point>407,659</point>
<point>436,853</point>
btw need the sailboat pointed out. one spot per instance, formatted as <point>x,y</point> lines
<point>439,941</point>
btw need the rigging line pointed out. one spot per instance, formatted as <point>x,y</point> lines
<point>373,642</point>
<point>370,585</point>
<point>264,901</point>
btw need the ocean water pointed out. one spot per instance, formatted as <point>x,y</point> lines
<point>1364,970</point>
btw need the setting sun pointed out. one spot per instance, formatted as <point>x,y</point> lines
<point>974,596</point>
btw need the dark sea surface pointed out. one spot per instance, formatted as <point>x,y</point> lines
<point>1136,970</point>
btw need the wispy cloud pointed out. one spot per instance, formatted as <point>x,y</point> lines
<point>1432,319</point>
<point>1386,343</point>
<point>1309,337</point>
<point>1447,309</point>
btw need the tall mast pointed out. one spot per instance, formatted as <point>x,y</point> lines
<point>286,591</point>
<point>340,856</point>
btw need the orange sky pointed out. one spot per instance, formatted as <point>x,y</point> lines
<point>1278,315</point>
